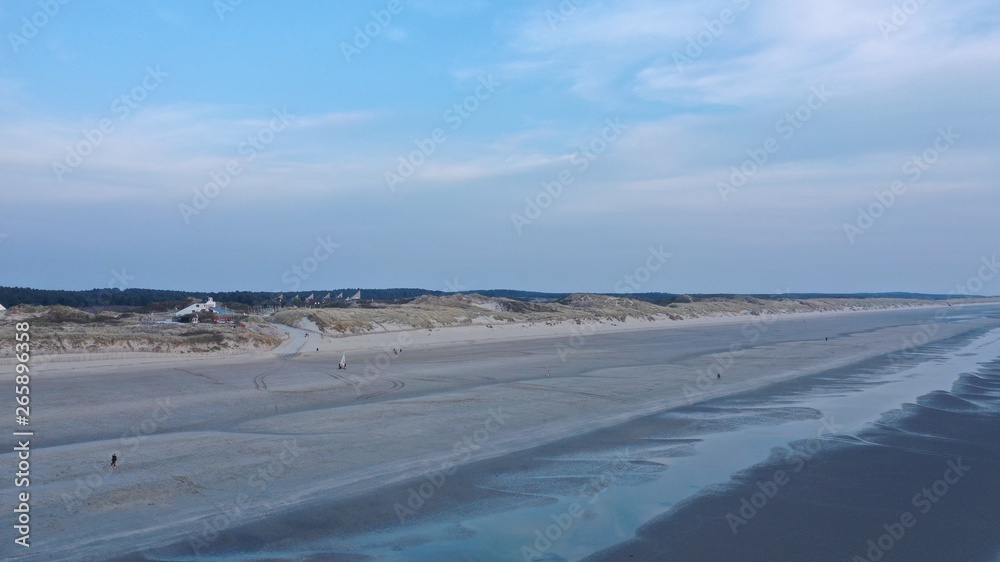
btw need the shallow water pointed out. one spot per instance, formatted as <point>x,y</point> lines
<point>857,485</point>
<point>727,435</point>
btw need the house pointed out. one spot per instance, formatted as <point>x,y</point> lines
<point>195,308</point>
<point>3,310</point>
<point>356,297</point>
<point>221,314</point>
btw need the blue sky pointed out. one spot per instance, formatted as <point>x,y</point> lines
<point>726,146</point>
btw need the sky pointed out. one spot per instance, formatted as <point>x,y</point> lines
<point>738,146</point>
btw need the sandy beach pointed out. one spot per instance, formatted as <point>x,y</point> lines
<point>420,280</point>
<point>209,446</point>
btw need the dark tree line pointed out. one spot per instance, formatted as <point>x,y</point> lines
<point>13,296</point>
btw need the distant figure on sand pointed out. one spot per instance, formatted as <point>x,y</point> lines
<point>549,373</point>
<point>826,339</point>
<point>114,460</point>
<point>718,375</point>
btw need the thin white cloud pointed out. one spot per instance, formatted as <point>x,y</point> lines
<point>169,150</point>
<point>769,46</point>
<point>448,8</point>
<point>333,120</point>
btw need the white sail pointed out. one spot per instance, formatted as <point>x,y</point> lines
<point>343,361</point>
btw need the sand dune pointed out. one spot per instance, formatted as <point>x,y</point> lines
<point>61,331</point>
<point>473,309</point>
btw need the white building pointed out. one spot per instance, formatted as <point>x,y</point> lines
<point>2,310</point>
<point>197,307</point>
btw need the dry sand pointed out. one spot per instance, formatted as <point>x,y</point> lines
<point>208,444</point>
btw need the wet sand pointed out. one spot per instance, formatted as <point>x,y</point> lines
<point>270,454</point>
<point>919,484</point>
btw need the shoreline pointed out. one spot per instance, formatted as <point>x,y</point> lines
<point>941,424</point>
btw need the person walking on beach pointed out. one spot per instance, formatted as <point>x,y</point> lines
<point>114,460</point>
